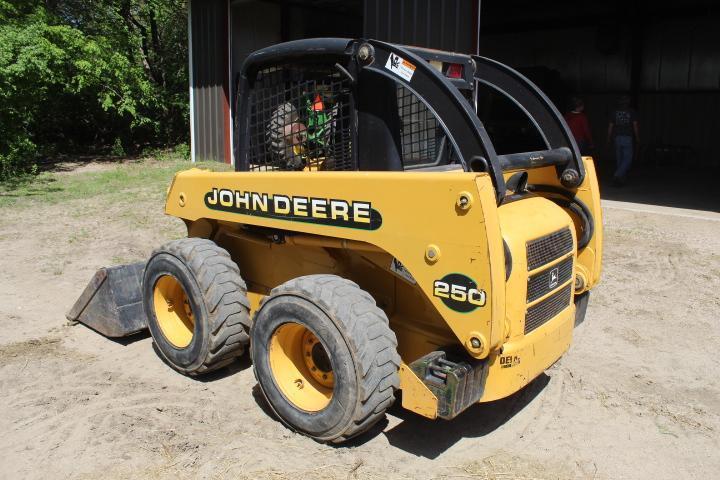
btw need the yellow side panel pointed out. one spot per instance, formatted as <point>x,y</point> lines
<point>417,218</point>
<point>497,262</point>
<point>589,192</point>
<point>522,221</point>
<point>589,262</point>
<point>524,358</point>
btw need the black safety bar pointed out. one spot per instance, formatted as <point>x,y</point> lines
<point>315,50</point>
<point>442,96</point>
<point>453,112</point>
<point>562,150</point>
<point>543,158</point>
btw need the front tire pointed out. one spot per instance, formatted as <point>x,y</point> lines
<point>196,305</point>
<point>325,357</point>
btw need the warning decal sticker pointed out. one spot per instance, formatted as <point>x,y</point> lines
<point>400,270</point>
<point>400,67</point>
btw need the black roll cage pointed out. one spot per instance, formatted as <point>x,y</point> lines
<point>441,95</point>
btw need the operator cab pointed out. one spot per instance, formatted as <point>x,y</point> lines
<point>374,106</point>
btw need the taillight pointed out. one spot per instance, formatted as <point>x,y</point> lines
<point>454,70</point>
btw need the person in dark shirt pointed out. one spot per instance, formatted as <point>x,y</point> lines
<point>579,126</point>
<point>623,132</point>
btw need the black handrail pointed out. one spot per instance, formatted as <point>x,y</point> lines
<point>452,111</point>
<point>559,157</point>
<point>543,114</point>
<point>298,51</point>
<point>455,115</point>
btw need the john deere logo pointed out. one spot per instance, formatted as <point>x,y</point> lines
<point>324,211</point>
<point>554,277</point>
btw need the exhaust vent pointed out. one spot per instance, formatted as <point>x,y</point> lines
<point>539,314</point>
<point>548,248</point>
<point>549,279</point>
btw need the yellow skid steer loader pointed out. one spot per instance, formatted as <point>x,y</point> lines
<point>371,241</point>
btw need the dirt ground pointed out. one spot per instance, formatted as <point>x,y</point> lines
<point>637,396</point>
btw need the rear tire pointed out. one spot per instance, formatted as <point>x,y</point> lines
<point>326,324</point>
<point>196,305</point>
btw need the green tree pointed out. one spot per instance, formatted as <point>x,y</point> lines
<point>78,76</point>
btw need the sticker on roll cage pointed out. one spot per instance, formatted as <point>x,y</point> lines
<point>322,211</point>
<point>459,292</point>
<point>400,67</point>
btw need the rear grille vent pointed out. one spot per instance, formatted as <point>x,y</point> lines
<point>548,248</point>
<point>549,279</point>
<point>537,315</point>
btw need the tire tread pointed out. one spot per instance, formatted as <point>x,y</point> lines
<point>373,344</point>
<point>225,294</point>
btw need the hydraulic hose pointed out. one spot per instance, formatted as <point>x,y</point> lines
<point>575,205</point>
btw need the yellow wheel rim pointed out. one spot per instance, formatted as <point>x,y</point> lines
<point>173,312</point>
<point>301,367</point>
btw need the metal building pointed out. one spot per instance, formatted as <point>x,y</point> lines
<point>665,55</point>
<point>223,32</point>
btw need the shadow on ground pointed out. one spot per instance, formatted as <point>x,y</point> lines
<point>238,365</point>
<point>414,434</point>
<point>670,187</point>
<point>430,438</point>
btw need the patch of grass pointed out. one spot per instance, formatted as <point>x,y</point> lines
<point>78,236</point>
<point>151,175</point>
<point>179,152</point>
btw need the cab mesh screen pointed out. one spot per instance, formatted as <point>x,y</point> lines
<point>422,139</point>
<point>300,120</point>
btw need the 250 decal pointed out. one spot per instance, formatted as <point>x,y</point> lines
<point>459,292</point>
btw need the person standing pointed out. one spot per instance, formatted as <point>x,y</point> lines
<point>624,133</point>
<point>579,126</point>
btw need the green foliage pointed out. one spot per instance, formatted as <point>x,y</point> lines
<point>117,148</point>
<point>82,75</point>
